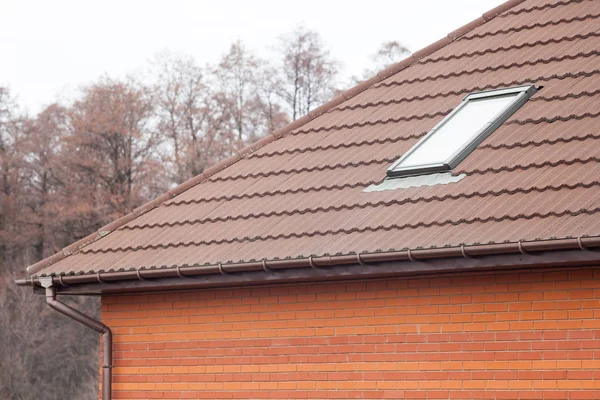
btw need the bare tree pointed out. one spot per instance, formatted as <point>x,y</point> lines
<point>43,151</point>
<point>32,338</point>
<point>245,91</point>
<point>190,116</point>
<point>182,110</point>
<point>12,141</point>
<point>387,54</point>
<point>44,354</point>
<point>112,149</point>
<point>236,91</point>
<point>309,72</point>
<point>272,111</point>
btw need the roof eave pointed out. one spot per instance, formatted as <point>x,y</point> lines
<point>525,254</point>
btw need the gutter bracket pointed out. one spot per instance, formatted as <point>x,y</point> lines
<point>522,249</point>
<point>583,246</point>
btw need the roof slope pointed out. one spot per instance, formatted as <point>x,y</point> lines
<point>536,177</point>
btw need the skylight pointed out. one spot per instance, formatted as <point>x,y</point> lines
<point>450,141</point>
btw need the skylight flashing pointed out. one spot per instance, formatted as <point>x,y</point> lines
<point>460,132</point>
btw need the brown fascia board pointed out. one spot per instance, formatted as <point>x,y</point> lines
<point>530,248</point>
<point>348,94</point>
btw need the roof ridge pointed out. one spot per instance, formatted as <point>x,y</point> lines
<point>346,95</point>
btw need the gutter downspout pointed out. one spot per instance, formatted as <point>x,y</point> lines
<point>90,323</point>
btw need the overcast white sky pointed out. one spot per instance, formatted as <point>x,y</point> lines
<point>48,49</point>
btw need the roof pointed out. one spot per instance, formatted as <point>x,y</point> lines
<point>299,194</point>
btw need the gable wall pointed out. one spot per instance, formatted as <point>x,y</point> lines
<point>513,335</point>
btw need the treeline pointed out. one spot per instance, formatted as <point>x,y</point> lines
<point>74,167</point>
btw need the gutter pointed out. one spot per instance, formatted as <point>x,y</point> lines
<point>90,323</point>
<point>583,243</point>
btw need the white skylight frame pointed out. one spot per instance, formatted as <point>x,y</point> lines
<point>521,94</point>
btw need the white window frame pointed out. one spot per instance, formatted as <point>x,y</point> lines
<point>525,92</point>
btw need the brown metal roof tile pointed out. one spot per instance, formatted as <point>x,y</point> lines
<point>301,191</point>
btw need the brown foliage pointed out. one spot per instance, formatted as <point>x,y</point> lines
<point>34,343</point>
<point>12,161</point>
<point>112,151</point>
<point>74,167</point>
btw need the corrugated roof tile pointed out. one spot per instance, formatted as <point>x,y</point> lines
<point>302,194</point>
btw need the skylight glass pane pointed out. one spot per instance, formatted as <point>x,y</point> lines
<point>449,142</point>
<point>460,129</point>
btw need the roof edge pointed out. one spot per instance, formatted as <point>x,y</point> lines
<point>583,243</point>
<point>344,96</point>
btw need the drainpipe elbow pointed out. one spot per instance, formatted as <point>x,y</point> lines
<point>88,321</point>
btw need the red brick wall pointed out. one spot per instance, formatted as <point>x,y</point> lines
<point>518,335</point>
